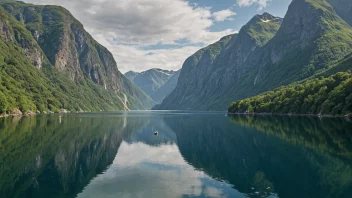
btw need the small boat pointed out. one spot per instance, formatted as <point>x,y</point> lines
<point>156,133</point>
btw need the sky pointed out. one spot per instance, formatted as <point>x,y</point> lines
<point>145,34</point>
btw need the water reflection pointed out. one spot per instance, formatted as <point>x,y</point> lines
<point>52,155</point>
<point>194,155</point>
<point>152,166</point>
<point>270,156</point>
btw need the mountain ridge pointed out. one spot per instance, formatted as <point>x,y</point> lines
<point>311,38</point>
<point>216,67</point>
<point>34,30</point>
<point>152,80</point>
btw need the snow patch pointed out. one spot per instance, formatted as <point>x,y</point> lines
<point>265,21</point>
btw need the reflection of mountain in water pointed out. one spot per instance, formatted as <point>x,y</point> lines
<point>259,164</point>
<point>258,156</point>
<point>332,135</point>
<point>54,155</point>
<point>146,134</point>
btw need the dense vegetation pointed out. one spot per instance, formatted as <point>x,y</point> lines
<point>32,87</point>
<point>323,95</point>
<point>25,87</point>
<point>313,37</point>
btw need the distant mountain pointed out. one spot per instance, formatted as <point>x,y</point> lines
<point>151,81</point>
<point>160,94</point>
<point>131,75</point>
<point>56,64</point>
<point>267,53</point>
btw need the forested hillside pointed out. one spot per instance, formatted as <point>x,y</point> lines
<point>324,95</point>
<point>39,74</point>
<point>268,52</point>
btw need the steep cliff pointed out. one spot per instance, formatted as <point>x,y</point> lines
<point>312,38</point>
<point>212,71</point>
<point>50,36</point>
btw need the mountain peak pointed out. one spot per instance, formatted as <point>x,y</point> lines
<point>151,80</point>
<point>265,17</point>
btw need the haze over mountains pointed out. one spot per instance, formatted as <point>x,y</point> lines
<point>156,83</point>
<point>268,52</point>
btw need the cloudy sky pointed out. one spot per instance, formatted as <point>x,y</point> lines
<point>144,34</point>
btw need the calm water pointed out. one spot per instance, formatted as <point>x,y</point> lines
<point>194,155</point>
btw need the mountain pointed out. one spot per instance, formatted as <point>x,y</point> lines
<point>57,64</point>
<point>267,53</point>
<point>151,81</point>
<point>131,75</point>
<point>160,94</point>
<point>213,70</point>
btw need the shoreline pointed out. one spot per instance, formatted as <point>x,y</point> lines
<point>17,115</point>
<point>229,113</point>
<point>293,114</point>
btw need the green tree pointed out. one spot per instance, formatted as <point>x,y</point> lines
<point>3,103</point>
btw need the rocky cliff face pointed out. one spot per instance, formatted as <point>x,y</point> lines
<point>67,45</point>
<point>268,52</point>
<point>312,38</point>
<point>10,32</point>
<point>209,73</point>
<point>55,35</point>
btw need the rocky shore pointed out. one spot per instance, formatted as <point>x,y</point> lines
<point>17,112</point>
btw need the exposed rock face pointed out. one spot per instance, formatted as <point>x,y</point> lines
<point>58,37</point>
<point>263,56</point>
<point>10,34</point>
<point>210,72</point>
<point>151,81</point>
<point>67,45</point>
<point>33,52</point>
<point>4,32</point>
<point>16,112</point>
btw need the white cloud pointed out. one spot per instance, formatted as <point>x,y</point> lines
<point>223,15</point>
<point>125,27</point>
<point>260,3</point>
<point>136,59</point>
<point>140,170</point>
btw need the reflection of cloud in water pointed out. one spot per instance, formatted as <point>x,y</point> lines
<point>140,170</point>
